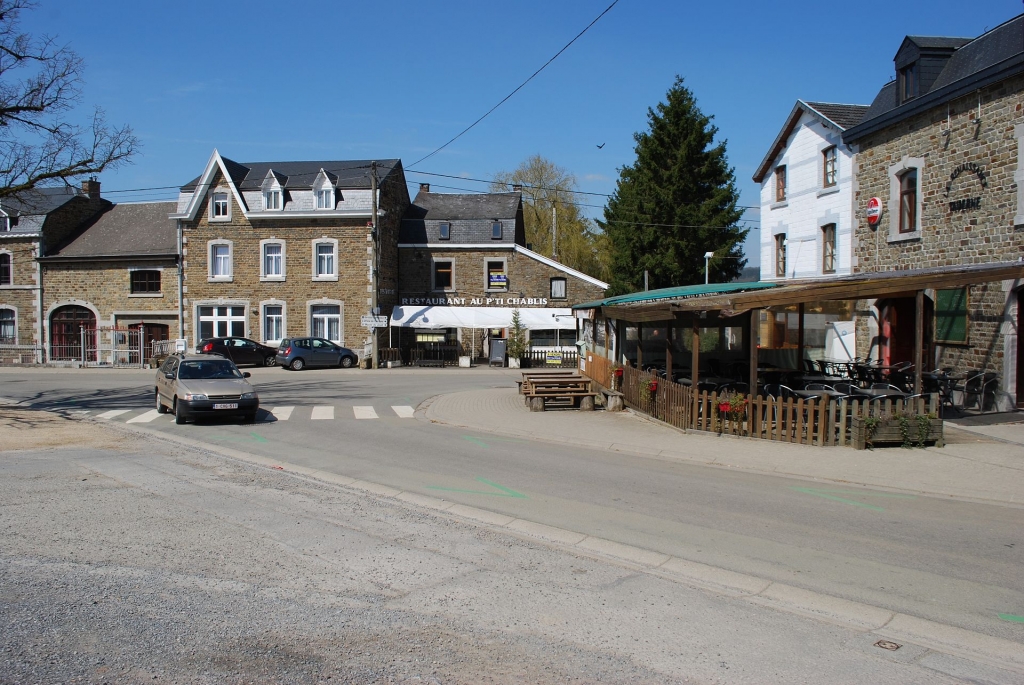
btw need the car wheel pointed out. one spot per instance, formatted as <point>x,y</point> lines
<point>160,408</point>
<point>297,364</point>
<point>179,413</point>
<point>346,362</point>
<point>271,360</point>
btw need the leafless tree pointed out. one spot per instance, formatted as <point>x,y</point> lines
<point>40,85</point>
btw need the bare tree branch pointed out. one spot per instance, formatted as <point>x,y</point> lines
<point>40,85</point>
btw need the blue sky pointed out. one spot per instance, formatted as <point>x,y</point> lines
<point>357,80</point>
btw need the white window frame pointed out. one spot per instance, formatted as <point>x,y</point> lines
<point>10,266</point>
<point>220,278</point>
<point>145,268</point>
<point>316,275</point>
<point>14,309</point>
<point>264,333</point>
<point>213,204</point>
<point>341,317</point>
<point>325,198</point>
<point>433,273</point>
<point>834,149</point>
<point>500,232</point>
<point>895,172</point>
<point>487,275</point>
<point>215,318</point>
<point>264,276</point>
<point>272,201</point>
<point>565,288</point>
<point>440,230</point>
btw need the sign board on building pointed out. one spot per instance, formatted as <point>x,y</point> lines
<point>874,210</point>
<point>553,357</point>
<point>374,321</point>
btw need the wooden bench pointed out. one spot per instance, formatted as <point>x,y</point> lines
<point>430,362</point>
<point>570,391</point>
<point>613,400</point>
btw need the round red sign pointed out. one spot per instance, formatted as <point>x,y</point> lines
<point>874,210</point>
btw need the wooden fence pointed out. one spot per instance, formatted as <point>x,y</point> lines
<point>826,422</point>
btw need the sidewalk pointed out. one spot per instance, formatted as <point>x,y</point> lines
<point>979,462</point>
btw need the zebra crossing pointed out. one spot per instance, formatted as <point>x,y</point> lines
<point>267,414</point>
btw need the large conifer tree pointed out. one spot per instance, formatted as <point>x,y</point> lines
<point>675,203</point>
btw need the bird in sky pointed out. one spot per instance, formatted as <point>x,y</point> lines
<point>600,146</point>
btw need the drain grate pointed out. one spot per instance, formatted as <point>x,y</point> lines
<point>885,644</point>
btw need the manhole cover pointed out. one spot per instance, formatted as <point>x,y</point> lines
<point>885,644</point>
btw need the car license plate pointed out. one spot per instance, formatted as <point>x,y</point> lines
<point>226,405</point>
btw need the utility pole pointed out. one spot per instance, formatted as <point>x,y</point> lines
<point>374,270</point>
<point>554,233</point>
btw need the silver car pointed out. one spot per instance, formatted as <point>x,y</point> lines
<point>195,385</point>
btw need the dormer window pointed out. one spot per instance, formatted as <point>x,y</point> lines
<point>496,230</point>
<point>272,199</point>
<point>220,208</point>
<point>273,191</point>
<point>908,82</point>
<point>323,190</point>
<point>446,230</point>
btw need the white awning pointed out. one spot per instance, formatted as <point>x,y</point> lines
<point>534,318</point>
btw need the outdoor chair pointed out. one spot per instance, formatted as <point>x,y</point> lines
<point>979,389</point>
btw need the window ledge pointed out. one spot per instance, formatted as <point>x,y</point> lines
<point>145,294</point>
<point>220,279</point>
<point>1018,221</point>
<point>324,278</point>
<point>779,205</point>
<point>903,237</point>
<point>828,191</point>
<point>271,279</point>
<point>219,219</point>
<point>503,291</point>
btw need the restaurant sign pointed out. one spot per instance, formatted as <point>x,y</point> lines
<point>968,203</point>
<point>475,301</point>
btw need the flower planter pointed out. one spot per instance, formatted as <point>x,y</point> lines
<point>886,431</point>
<point>513,362</point>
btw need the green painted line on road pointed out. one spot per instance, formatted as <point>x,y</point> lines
<point>862,493</point>
<point>475,441</point>
<point>825,495</point>
<point>1012,617</point>
<point>505,492</point>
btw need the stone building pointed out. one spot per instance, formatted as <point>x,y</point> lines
<point>31,224</point>
<point>114,279</point>
<point>941,149</point>
<point>278,249</point>
<point>464,268</point>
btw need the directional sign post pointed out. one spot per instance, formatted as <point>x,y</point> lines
<point>374,321</point>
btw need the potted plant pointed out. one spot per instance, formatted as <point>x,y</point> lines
<point>517,342</point>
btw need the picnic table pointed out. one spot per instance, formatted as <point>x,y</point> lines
<point>568,390</point>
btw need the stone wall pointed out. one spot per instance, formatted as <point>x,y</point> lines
<point>22,294</point>
<point>985,140</point>
<point>298,290</point>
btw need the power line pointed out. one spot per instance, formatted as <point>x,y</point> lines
<point>503,100</point>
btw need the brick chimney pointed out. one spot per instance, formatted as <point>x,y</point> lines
<point>517,187</point>
<point>91,188</point>
<point>424,187</point>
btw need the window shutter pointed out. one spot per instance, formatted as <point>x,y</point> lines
<point>951,316</point>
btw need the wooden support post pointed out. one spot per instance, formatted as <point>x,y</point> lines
<point>753,339</point>
<point>918,340</point>
<point>668,352</point>
<point>800,338</point>
<point>695,365</point>
<point>640,346</point>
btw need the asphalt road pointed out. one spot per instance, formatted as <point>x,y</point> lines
<point>952,562</point>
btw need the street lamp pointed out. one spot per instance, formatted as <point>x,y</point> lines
<point>707,259</point>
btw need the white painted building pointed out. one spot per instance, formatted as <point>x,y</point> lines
<point>807,194</point>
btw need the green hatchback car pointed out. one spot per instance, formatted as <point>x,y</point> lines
<point>199,385</point>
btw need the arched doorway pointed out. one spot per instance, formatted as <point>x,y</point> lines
<point>68,325</point>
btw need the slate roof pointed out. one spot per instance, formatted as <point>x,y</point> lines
<point>938,42</point>
<point>989,58</point>
<point>125,230</point>
<point>471,215</point>
<point>842,115</point>
<point>351,174</point>
<point>37,202</point>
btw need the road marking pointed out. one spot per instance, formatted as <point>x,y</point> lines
<point>323,413</point>
<point>251,437</point>
<point>282,413</point>
<point>112,413</point>
<point>145,417</point>
<point>1012,617</point>
<point>505,492</point>
<point>475,441</point>
<point>364,412</point>
<point>404,412</point>
<point>825,495</point>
